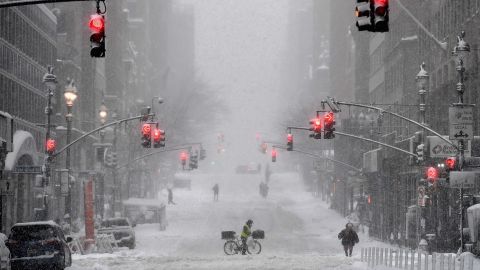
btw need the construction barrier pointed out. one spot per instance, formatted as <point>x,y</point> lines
<point>391,258</point>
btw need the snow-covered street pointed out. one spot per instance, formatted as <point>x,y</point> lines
<point>301,232</point>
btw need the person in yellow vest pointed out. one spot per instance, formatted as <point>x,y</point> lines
<point>246,232</point>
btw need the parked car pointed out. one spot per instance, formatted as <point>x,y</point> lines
<point>4,253</point>
<point>121,229</point>
<point>38,245</point>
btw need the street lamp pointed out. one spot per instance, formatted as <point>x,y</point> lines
<point>461,51</point>
<point>103,113</point>
<point>70,95</point>
<point>50,81</point>
<point>422,80</point>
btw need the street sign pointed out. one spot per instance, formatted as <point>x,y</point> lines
<point>461,122</point>
<point>462,179</point>
<point>472,162</point>
<point>27,170</point>
<point>440,149</point>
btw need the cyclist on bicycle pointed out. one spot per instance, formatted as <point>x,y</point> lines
<point>246,232</point>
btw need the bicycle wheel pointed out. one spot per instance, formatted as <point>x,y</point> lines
<point>230,247</point>
<point>254,247</point>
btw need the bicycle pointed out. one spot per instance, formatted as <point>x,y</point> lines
<point>234,246</point>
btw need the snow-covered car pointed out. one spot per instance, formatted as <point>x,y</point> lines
<point>38,245</point>
<point>121,229</point>
<point>4,253</point>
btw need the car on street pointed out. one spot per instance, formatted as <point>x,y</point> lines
<point>38,245</point>
<point>251,168</point>
<point>121,229</point>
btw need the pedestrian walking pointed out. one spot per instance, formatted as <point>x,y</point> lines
<point>170,196</point>
<point>215,192</point>
<point>349,238</point>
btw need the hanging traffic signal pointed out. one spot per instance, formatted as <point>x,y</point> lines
<point>203,154</point>
<point>193,164</point>
<point>420,152</point>
<point>451,163</point>
<point>158,138</point>
<point>432,174</point>
<point>363,13</point>
<point>146,135</point>
<point>97,39</point>
<point>329,123</point>
<point>369,199</point>
<point>274,155</point>
<point>50,146</point>
<point>183,158</point>
<point>380,20</point>
<point>316,127</point>
<point>289,142</point>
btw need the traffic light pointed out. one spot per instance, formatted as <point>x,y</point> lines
<point>193,162</point>
<point>329,123</point>
<point>451,163</point>
<point>432,174</point>
<point>146,135</point>
<point>158,138</point>
<point>97,39</point>
<point>363,13</point>
<point>51,146</point>
<point>274,155</point>
<point>380,18</point>
<point>183,158</point>
<point>420,152</point>
<point>316,127</point>
<point>114,159</point>
<point>289,142</point>
<point>203,154</point>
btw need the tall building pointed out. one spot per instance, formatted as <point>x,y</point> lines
<point>27,46</point>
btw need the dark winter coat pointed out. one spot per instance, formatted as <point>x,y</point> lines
<point>349,237</point>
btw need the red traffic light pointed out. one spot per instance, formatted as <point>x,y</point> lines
<point>329,118</point>
<point>274,153</point>
<point>316,125</point>
<point>451,162</point>
<point>369,199</point>
<point>289,138</point>
<point>432,173</point>
<point>97,23</point>
<point>50,146</point>
<point>146,130</point>
<point>183,156</point>
<point>381,7</point>
<point>157,135</point>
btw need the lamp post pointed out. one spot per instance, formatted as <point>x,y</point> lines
<point>460,52</point>
<point>50,81</point>
<point>422,80</point>
<point>70,95</point>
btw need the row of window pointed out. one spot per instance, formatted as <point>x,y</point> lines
<point>21,67</point>
<point>18,32</point>
<point>20,101</point>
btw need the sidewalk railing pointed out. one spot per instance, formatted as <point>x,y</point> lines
<point>105,243</point>
<point>388,258</point>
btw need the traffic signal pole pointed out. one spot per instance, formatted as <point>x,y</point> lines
<point>395,115</point>
<point>36,2</point>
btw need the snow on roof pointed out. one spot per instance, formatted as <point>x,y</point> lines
<point>38,223</point>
